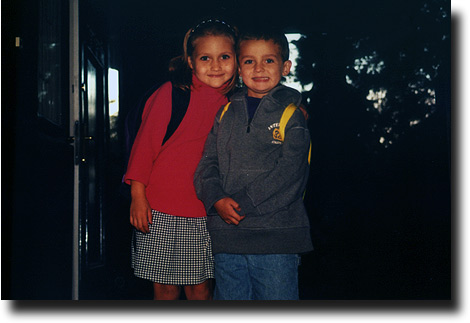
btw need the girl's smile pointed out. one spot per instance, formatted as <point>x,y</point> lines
<point>213,61</point>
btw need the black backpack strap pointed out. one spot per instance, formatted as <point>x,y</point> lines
<point>179,105</point>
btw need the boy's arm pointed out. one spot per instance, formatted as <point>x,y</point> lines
<point>207,180</point>
<point>285,183</point>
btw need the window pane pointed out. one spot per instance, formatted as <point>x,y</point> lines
<point>113,104</point>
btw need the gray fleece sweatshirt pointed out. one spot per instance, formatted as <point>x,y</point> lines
<point>266,176</point>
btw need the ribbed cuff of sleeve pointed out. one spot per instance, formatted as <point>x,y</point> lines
<point>210,209</point>
<point>245,202</point>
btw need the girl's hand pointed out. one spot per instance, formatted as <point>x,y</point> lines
<point>140,212</point>
<point>227,209</point>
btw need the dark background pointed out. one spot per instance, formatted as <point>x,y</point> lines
<point>379,193</point>
<point>380,214</point>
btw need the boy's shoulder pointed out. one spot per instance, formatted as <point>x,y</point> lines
<point>286,95</point>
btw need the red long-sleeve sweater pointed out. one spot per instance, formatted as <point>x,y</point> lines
<point>167,171</point>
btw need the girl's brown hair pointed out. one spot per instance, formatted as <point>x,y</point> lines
<point>180,72</point>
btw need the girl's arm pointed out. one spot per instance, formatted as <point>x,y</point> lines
<point>145,150</point>
<point>147,144</point>
<point>140,211</point>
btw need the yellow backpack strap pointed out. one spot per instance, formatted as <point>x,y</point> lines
<point>286,115</point>
<point>288,112</point>
<point>309,152</point>
<point>223,111</point>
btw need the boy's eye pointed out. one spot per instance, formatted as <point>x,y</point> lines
<point>270,60</point>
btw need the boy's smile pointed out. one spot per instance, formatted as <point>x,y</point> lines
<point>261,66</point>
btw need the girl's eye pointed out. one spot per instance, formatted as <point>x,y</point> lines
<point>225,56</point>
<point>204,58</point>
<point>248,61</point>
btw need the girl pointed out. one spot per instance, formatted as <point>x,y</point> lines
<point>172,247</point>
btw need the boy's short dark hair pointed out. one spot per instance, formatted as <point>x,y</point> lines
<point>275,35</point>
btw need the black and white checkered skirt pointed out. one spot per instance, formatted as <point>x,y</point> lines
<point>176,251</point>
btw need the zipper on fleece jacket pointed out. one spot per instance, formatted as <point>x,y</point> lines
<point>247,115</point>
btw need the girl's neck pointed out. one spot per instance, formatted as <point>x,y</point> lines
<point>201,86</point>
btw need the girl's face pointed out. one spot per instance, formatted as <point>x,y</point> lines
<point>213,60</point>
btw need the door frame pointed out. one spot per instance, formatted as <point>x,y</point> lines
<point>85,49</point>
<point>74,88</point>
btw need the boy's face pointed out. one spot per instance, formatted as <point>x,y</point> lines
<point>261,66</point>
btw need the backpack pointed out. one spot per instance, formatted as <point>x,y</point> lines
<point>280,133</point>
<point>179,105</point>
<point>286,115</point>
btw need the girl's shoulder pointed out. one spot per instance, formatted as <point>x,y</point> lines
<point>161,97</point>
<point>163,92</point>
<point>164,89</point>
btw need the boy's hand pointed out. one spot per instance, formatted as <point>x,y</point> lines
<point>141,213</point>
<point>227,209</point>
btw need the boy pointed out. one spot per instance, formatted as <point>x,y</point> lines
<point>251,179</point>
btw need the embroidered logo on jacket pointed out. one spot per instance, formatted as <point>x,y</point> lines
<point>277,136</point>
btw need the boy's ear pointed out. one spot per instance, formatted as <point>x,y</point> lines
<point>286,67</point>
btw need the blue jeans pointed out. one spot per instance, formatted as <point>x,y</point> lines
<point>256,277</point>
